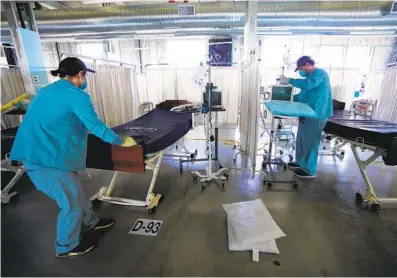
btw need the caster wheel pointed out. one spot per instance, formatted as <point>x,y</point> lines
<point>223,185</point>
<point>281,152</point>
<point>180,170</point>
<point>269,185</point>
<point>291,158</point>
<point>285,167</point>
<point>203,186</point>
<point>195,177</point>
<point>342,153</point>
<point>152,210</point>
<point>375,208</point>
<point>234,160</point>
<point>324,148</point>
<point>226,175</point>
<point>359,199</point>
<point>295,186</point>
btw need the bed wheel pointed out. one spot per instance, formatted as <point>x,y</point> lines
<point>342,153</point>
<point>194,176</point>
<point>285,167</point>
<point>375,207</point>
<point>291,158</point>
<point>203,185</point>
<point>295,186</point>
<point>226,175</point>
<point>359,198</point>
<point>269,185</point>
<point>223,184</point>
<point>152,210</point>
<point>281,152</point>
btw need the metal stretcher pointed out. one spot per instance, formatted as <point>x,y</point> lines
<point>154,132</point>
<point>378,136</point>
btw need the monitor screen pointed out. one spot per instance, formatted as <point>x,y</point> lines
<point>281,92</point>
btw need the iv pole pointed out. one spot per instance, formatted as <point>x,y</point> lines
<point>209,175</point>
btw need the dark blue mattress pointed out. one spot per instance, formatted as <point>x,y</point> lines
<point>156,130</point>
<point>376,133</point>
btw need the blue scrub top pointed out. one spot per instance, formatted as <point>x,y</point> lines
<point>316,92</point>
<point>55,129</point>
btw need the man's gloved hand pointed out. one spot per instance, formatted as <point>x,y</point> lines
<point>284,80</point>
<point>128,142</point>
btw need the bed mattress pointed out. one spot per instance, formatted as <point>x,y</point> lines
<point>376,133</point>
<point>156,130</point>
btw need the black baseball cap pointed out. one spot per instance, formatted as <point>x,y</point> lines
<point>302,61</point>
<point>71,66</point>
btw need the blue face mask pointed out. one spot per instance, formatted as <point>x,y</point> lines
<point>84,85</point>
<point>302,73</point>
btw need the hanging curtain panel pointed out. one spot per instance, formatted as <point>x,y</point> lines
<point>113,92</point>
<point>249,108</point>
<point>11,88</point>
<point>386,108</point>
<point>169,82</point>
<point>228,80</point>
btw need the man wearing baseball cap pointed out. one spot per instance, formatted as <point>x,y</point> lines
<point>315,92</point>
<point>52,142</point>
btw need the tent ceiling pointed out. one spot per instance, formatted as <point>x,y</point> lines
<point>128,19</point>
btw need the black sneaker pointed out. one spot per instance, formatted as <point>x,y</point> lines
<point>81,249</point>
<point>293,166</point>
<point>103,223</point>
<point>303,175</point>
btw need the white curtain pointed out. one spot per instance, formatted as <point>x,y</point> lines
<point>249,108</point>
<point>386,108</point>
<point>113,92</point>
<point>11,87</point>
<point>168,82</point>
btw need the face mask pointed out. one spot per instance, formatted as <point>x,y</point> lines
<point>84,85</point>
<point>302,73</point>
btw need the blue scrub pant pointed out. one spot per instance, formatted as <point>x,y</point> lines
<point>75,210</point>
<point>307,144</point>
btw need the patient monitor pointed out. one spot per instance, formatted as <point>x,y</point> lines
<point>281,92</point>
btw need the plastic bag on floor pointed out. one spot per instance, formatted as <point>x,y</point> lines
<point>265,247</point>
<point>251,227</point>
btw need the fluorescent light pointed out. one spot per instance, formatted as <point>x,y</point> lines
<point>364,33</point>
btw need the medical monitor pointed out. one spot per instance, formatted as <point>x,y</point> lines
<point>281,92</point>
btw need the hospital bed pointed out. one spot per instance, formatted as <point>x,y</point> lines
<point>154,132</point>
<point>380,137</point>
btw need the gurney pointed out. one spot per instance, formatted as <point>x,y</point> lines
<point>378,136</point>
<point>154,132</point>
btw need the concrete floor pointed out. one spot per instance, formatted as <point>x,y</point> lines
<point>327,234</point>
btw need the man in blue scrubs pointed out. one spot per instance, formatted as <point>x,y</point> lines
<point>315,92</point>
<point>52,143</point>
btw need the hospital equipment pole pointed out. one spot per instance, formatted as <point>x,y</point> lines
<point>204,179</point>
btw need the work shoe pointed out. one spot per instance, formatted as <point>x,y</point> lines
<point>83,248</point>
<point>303,174</point>
<point>103,223</point>
<point>293,165</point>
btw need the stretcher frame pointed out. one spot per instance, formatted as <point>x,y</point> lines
<point>269,160</point>
<point>151,201</point>
<point>370,199</point>
<point>18,171</point>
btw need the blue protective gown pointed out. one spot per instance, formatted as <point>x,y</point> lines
<point>315,92</point>
<point>52,143</point>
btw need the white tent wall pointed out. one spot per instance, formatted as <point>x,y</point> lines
<point>347,60</point>
<point>387,106</point>
<point>11,87</point>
